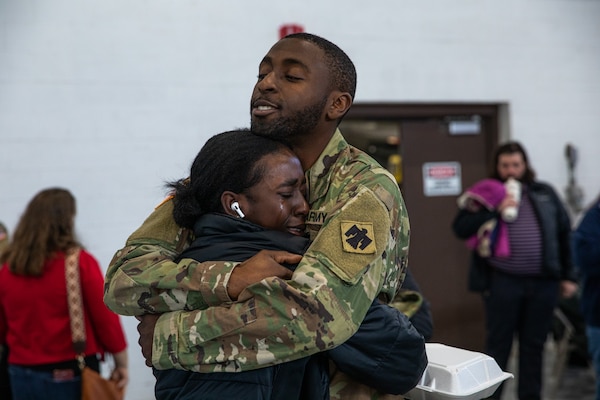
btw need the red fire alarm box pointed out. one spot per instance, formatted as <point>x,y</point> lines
<point>288,29</point>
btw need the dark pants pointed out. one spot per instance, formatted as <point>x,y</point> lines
<point>521,306</point>
<point>305,378</point>
<point>29,384</point>
<point>45,382</point>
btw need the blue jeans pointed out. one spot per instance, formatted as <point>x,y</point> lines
<point>28,384</point>
<point>593,336</point>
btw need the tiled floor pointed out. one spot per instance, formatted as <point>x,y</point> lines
<point>576,383</point>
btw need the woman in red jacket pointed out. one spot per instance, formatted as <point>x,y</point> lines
<point>34,315</point>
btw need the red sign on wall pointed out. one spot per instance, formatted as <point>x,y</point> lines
<point>442,178</point>
<point>288,29</point>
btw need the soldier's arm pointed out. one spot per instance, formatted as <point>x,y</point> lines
<point>319,308</point>
<point>143,278</point>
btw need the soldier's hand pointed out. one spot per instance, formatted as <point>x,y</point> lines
<point>146,330</point>
<point>264,264</point>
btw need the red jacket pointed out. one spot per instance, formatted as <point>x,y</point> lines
<point>34,315</point>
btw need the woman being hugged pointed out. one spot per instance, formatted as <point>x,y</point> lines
<point>246,194</point>
<point>34,312</point>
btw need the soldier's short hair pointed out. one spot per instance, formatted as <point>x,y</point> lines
<point>341,68</point>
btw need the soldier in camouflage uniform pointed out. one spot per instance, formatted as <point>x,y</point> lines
<point>358,224</point>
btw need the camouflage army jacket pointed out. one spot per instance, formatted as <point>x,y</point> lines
<point>360,232</point>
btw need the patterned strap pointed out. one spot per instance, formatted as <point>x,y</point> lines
<point>74,300</point>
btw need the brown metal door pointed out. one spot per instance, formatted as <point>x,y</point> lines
<point>438,260</point>
<point>451,134</point>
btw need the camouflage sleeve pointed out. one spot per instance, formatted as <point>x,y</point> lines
<point>323,304</point>
<point>143,278</point>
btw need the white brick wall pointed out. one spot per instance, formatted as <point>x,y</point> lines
<point>111,98</point>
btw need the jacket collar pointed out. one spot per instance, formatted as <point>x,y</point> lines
<point>318,177</point>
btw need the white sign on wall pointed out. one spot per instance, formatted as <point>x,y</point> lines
<point>442,179</point>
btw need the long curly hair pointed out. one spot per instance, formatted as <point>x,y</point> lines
<point>45,228</point>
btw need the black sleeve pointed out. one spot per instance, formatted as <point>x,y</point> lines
<point>387,352</point>
<point>466,223</point>
<point>564,239</point>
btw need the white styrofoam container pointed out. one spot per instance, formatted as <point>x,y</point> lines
<point>454,373</point>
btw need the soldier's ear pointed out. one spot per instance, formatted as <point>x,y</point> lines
<point>338,105</point>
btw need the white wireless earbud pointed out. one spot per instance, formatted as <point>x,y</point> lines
<point>235,206</point>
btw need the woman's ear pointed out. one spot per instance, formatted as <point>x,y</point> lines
<point>230,202</point>
<point>227,199</point>
<point>340,103</point>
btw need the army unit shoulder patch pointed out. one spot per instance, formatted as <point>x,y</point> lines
<point>353,236</point>
<point>358,237</point>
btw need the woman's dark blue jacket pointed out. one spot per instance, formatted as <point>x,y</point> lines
<point>386,353</point>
